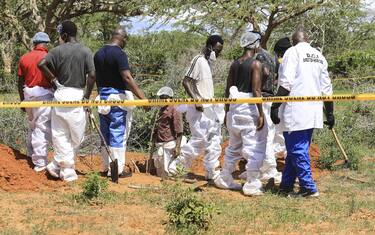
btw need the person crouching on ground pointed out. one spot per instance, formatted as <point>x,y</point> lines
<point>66,66</point>
<point>34,86</point>
<point>167,134</point>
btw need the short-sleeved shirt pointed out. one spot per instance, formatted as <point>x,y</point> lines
<point>168,125</point>
<point>28,68</point>
<point>109,61</point>
<point>200,70</point>
<point>71,62</point>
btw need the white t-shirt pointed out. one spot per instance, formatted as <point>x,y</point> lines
<point>304,73</point>
<point>200,71</point>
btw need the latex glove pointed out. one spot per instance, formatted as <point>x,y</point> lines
<point>55,84</point>
<point>328,105</point>
<point>275,115</point>
<point>330,121</point>
<point>199,107</point>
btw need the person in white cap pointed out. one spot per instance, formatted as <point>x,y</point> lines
<point>167,134</point>
<point>245,122</point>
<point>115,82</point>
<point>70,67</point>
<point>33,86</point>
<point>204,120</point>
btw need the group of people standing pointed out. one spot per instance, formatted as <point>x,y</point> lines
<point>69,72</point>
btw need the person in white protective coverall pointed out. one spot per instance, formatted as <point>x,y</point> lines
<point>67,66</point>
<point>268,169</point>
<point>304,74</point>
<point>115,82</point>
<point>167,137</point>
<point>245,122</point>
<point>33,86</point>
<point>204,120</point>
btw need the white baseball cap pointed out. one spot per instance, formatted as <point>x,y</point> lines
<point>165,91</point>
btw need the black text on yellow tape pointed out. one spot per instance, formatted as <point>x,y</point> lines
<point>162,102</point>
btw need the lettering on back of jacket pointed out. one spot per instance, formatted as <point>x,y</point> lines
<point>312,58</point>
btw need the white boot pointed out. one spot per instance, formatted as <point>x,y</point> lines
<point>53,169</point>
<point>225,179</point>
<point>68,174</point>
<point>119,154</point>
<point>253,186</point>
<point>271,173</point>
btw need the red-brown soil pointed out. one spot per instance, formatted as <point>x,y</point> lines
<point>16,173</point>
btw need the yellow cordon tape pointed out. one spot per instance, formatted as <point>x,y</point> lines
<point>162,102</point>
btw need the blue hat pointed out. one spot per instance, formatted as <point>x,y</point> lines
<point>40,37</point>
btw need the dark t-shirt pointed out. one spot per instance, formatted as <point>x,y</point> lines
<point>168,124</point>
<point>71,62</point>
<point>109,61</point>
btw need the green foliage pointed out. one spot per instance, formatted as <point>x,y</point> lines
<point>187,212</point>
<point>13,128</point>
<point>355,128</point>
<point>351,61</point>
<point>94,186</point>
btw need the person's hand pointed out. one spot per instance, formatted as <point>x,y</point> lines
<point>330,120</point>
<point>23,110</point>
<point>176,152</point>
<point>86,108</point>
<point>275,115</point>
<point>56,84</point>
<point>199,107</point>
<point>260,122</point>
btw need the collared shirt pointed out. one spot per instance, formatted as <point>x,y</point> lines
<point>200,71</point>
<point>168,125</point>
<point>28,68</point>
<point>304,73</point>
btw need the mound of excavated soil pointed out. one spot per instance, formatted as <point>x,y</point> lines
<point>16,173</point>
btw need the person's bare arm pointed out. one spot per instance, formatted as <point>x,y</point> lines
<point>43,65</point>
<point>256,84</point>
<point>21,84</point>
<point>230,82</point>
<point>132,85</point>
<point>91,78</point>
<point>191,88</point>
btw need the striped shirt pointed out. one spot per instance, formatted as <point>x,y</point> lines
<point>200,71</point>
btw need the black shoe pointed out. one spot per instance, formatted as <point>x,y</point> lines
<point>286,192</point>
<point>307,194</point>
<point>104,173</point>
<point>125,174</point>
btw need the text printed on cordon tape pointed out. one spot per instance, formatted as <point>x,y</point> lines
<point>162,102</point>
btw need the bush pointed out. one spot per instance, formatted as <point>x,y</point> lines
<point>94,186</point>
<point>187,212</point>
<point>355,128</point>
<point>351,62</point>
<point>13,131</point>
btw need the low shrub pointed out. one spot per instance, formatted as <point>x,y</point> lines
<point>187,212</point>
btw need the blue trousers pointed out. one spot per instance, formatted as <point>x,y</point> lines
<point>297,162</point>
<point>113,125</point>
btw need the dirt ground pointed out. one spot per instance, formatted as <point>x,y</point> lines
<point>16,173</point>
